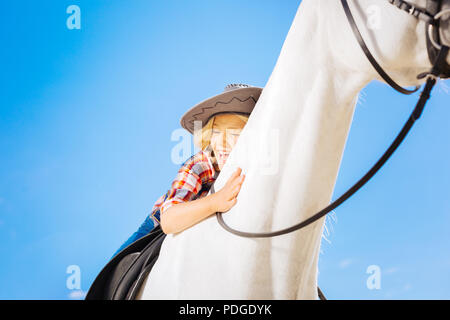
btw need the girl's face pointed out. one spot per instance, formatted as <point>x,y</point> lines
<point>225,133</point>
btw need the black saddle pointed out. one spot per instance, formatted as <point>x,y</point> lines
<point>124,274</point>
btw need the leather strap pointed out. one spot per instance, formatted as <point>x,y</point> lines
<point>425,15</point>
<point>369,56</point>
<point>434,6</point>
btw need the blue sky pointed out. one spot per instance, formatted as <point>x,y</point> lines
<point>86,118</point>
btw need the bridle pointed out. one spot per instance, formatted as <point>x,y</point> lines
<point>431,17</point>
<point>437,53</point>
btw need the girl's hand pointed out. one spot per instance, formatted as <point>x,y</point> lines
<point>224,199</point>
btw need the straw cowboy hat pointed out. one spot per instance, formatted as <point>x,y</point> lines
<point>236,98</point>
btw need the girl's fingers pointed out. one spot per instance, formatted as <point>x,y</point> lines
<point>235,177</point>
<point>234,184</point>
<point>233,202</point>
<point>237,172</point>
<point>232,193</point>
<point>239,180</point>
<point>236,191</point>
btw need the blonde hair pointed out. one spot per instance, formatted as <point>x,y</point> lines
<point>202,138</point>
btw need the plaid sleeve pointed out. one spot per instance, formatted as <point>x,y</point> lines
<point>185,186</point>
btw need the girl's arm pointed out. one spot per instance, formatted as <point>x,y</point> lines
<point>181,216</point>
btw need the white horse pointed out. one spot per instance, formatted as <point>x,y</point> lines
<point>303,117</point>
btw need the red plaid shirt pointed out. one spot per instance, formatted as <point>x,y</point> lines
<point>193,181</point>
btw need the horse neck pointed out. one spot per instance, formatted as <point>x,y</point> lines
<point>292,145</point>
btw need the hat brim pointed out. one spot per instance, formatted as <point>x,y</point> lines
<point>240,101</point>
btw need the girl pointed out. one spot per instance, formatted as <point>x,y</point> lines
<point>186,203</point>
